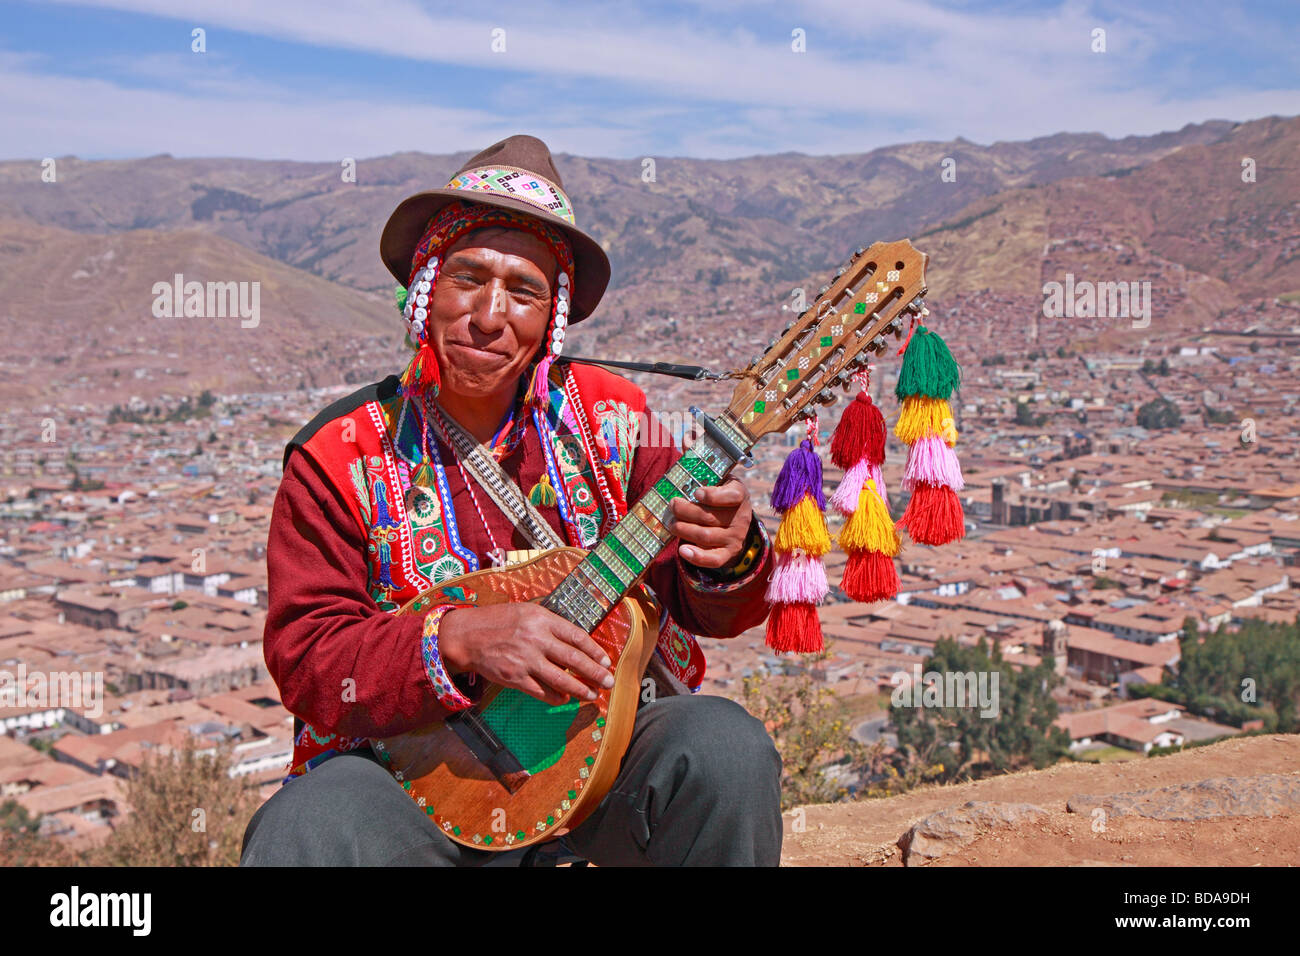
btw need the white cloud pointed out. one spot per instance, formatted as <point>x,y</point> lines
<point>874,74</point>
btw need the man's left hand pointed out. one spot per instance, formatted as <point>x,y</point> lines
<point>714,526</point>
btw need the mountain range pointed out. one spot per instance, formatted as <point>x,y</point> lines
<point>703,256</point>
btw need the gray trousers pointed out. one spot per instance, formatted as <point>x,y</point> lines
<point>700,785</point>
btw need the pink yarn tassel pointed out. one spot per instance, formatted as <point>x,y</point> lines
<point>845,499</point>
<point>541,391</point>
<point>878,477</point>
<point>797,579</point>
<point>931,461</point>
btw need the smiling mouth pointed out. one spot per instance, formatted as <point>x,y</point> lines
<point>470,348</point>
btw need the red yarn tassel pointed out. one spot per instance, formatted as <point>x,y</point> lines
<point>870,576</point>
<point>794,628</point>
<point>860,434</point>
<point>934,515</point>
<point>851,433</point>
<point>422,373</point>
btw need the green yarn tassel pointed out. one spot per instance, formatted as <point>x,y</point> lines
<point>399,294</point>
<point>928,367</point>
<point>543,492</point>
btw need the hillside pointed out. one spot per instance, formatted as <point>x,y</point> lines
<point>1253,819</point>
<point>707,249</point>
<point>1187,211</point>
<point>76,310</point>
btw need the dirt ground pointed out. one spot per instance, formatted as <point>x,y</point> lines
<point>865,833</point>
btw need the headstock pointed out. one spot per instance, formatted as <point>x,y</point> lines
<point>869,297</point>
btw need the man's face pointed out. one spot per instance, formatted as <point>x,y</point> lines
<point>490,309</point>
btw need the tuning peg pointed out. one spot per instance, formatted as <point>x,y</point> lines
<point>822,291</point>
<point>878,343</point>
<point>843,269</point>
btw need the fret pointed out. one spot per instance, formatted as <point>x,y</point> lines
<point>654,522</point>
<point>607,565</point>
<point>699,469</point>
<point>655,503</point>
<point>624,554</point>
<point>606,582</point>
<point>638,537</point>
<point>594,588</point>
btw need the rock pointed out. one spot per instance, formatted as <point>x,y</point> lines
<point>1265,795</point>
<point>955,827</point>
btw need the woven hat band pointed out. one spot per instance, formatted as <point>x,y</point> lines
<point>518,184</point>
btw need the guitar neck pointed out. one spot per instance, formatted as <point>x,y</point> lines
<point>620,559</point>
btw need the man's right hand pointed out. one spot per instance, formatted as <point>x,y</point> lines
<point>526,647</point>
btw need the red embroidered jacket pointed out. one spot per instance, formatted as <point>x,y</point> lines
<point>350,669</point>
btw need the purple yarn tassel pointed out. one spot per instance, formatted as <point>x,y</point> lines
<point>800,475</point>
<point>933,462</point>
<point>797,579</point>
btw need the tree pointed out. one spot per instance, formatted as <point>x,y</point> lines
<point>1159,413</point>
<point>1250,673</point>
<point>970,745</point>
<point>21,843</point>
<point>186,811</point>
<point>799,714</point>
<point>1026,416</point>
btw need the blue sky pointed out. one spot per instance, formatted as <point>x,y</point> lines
<point>323,80</point>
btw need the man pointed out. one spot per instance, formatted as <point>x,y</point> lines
<point>376,505</point>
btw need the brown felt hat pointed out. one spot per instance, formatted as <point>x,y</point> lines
<point>516,173</point>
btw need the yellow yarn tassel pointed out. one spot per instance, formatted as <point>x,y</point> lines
<point>870,528</point>
<point>542,493</point>
<point>803,527</point>
<point>922,416</point>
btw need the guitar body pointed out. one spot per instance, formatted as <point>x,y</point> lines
<point>569,754</point>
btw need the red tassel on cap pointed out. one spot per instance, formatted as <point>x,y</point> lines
<point>422,374</point>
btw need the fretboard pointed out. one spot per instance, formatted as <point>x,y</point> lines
<point>620,559</point>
